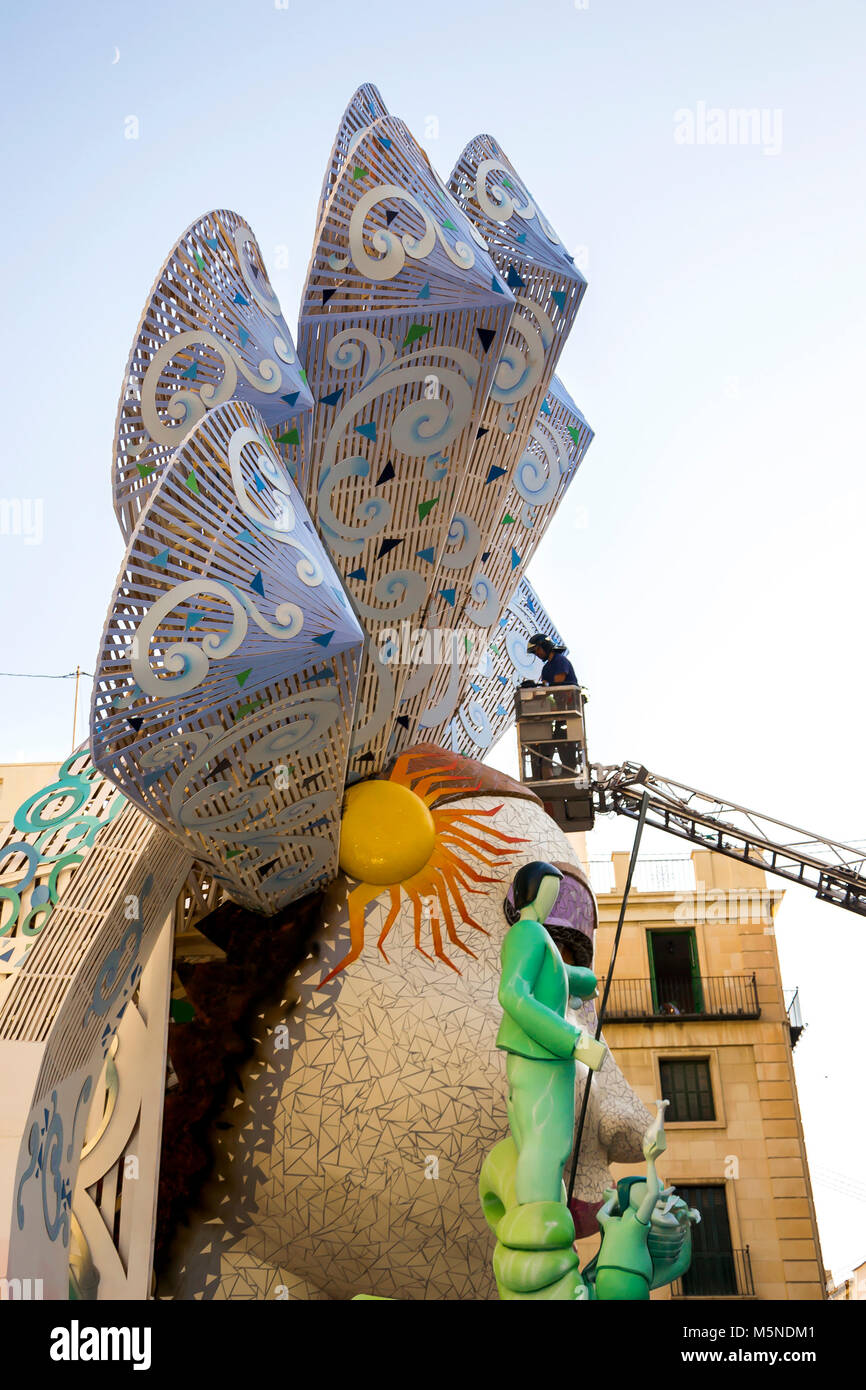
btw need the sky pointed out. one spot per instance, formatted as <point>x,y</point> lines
<point>706,566</point>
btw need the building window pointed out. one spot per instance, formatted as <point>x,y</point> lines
<point>686,1084</point>
<point>714,1268</point>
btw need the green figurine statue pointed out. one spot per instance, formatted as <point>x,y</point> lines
<point>521,1180</point>
<point>541,1043</point>
<point>646,1231</point>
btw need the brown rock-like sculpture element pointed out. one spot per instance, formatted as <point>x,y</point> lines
<point>348,1158</point>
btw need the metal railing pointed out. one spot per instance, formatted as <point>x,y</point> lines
<point>679,997</point>
<point>717,1274</point>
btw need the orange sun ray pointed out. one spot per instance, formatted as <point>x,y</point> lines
<point>390,919</point>
<point>358,899</point>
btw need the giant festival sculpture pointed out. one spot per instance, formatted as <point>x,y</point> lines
<point>319,620</point>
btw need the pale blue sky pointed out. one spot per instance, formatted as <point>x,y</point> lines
<point>707,565</point>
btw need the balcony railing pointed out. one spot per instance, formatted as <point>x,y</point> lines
<point>678,998</point>
<point>716,1274</point>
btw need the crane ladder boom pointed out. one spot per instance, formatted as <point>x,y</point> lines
<point>836,872</point>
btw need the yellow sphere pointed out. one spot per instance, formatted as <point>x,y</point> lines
<point>387,833</point>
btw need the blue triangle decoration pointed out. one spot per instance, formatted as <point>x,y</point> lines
<point>387,474</point>
<point>473,685</point>
<point>427,554</point>
<point>244,336</point>
<point>513,280</point>
<point>530,605</point>
<point>324,639</point>
<point>246,536</point>
<point>545,407</point>
<point>259,482</point>
<point>239,299</point>
<point>558,297</point>
<point>521,239</point>
<point>359,573</point>
<point>191,372</point>
<point>485,557</point>
<point>7,955</point>
<point>424,292</point>
<point>501,711</point>
<point>291,398</point>
<point>160,560</point>
<point>383,140</point>
<point>212,242</point>
<point>495,472</point>
<point>192,619</point>
<point>515,558</point>
<point>449,595</point>
<point>258,584</point>
<point>333,397</point>
<point>368,431</point>
<point>495,285</point>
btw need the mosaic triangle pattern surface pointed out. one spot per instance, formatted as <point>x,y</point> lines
<point>351,1149</point>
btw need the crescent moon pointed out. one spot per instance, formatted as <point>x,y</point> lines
<point>116,58</point>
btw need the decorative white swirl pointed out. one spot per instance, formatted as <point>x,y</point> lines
<point>394,250</point>
<point>187,663</point>
<point>463,532</point>
<point>485,594</point>
<point>345,350</point>
<point>256,279</point>
<point>520,368</point>
<point>423,427</point>
<point>309,569</point>
<point>524,664</point>
<point>537,478</point>
<point>369,723</point>
<point>476,722</point>
<point>186,407</point>
<point>438,714</point>
<point>408,587</point>
<point>499,207</point>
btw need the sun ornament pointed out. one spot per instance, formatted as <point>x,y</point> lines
<point>400,835</point>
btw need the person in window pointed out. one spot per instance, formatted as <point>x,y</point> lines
<point>557,670</point>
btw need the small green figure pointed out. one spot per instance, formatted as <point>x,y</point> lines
<point>542,1044</point>
<point>646,1231</point>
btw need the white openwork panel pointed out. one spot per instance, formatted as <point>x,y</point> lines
<point>553,454</point>
<point>226,678</point>
<point>486,709</point>
<point>365,107</point>
<point>49,837</point>
<point>548,289</point>
<point>212,330</point>
<point>403,322</point>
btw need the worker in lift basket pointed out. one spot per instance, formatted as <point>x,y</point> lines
<point>557,670</point>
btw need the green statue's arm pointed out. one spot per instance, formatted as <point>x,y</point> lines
<point>605,1213</point>
<point>522,957</point>
<point>582,984</point>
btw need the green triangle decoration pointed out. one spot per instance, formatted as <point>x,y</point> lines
<point>145,469</point>
<point>192,483</point>
<point>426,507</point>
<point>290,437</point>
<point>417,330</point>
<point>507,520</point>
<point>243,676</point>
<point>575,433</point>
